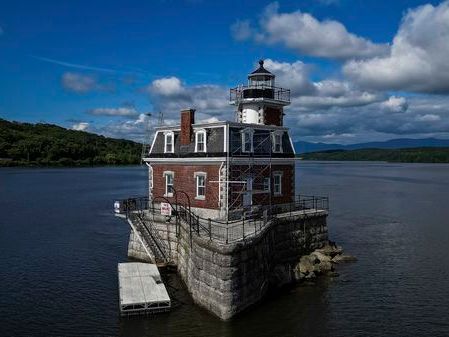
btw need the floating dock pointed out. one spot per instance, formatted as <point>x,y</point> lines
<point>141,289</point>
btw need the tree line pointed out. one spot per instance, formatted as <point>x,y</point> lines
<point>408,155</point>
<point>26,144</point>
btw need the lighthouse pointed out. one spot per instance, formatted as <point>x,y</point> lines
<point>221,202</point>
<point>229,169</point>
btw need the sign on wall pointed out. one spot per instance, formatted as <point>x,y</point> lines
<point>165,208</point>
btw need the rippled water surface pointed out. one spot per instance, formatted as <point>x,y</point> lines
<point>60,245</point>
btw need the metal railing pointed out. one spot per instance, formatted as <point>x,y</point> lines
<point>259,91</point>
<point>226,231</point>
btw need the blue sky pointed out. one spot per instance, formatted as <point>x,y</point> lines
<point>358,70</point>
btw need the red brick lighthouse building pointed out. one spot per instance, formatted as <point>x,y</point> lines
<point>227,170</point>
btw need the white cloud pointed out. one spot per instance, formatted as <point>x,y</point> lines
<point>121,111</point>
<point>294,76</point>
<point>307,35</point>
<point>134,129</point>
<point>428,118</point>
<point>81,84</point>
<point>81,126</point>
<point>241,30</point>
<point>395,104</point>
<point>330,110</point>
<point>418,60</point>
<point>170,95</point>
<point>308,95</point>
<point>167,86</point>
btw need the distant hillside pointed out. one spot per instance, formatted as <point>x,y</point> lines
<point>401,143</point>
<point>24,144</point>
<point>409,155</point>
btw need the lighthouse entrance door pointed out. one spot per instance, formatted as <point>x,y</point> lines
<point>248,195</point>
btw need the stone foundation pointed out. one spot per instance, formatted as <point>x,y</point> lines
<point>227,278</point>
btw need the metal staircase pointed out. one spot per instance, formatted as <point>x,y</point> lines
<point>152,237</point>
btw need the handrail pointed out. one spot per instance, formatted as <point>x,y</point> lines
<point>278,93</point>
<point>227,231</point>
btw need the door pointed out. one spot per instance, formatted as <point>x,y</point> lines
<point>248,195</point>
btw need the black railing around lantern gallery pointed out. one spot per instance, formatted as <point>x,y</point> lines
<point>222,231</point>
<point>259,91</point>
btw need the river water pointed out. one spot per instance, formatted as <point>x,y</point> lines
<point>60,245</point>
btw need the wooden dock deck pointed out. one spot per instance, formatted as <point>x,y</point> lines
<point>141,289</point>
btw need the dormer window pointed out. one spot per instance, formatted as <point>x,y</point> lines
<point>200,141</point>
<point>169,140</point>
<point>247,140</point>
<point>277,141</point>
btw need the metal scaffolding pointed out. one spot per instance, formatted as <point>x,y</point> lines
<point>250,176</point>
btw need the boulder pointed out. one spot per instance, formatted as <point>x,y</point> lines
<point>343,258</point>
<point>322,257</point>
<point>330,250</point>
<point>326,266</point>
<point>306,264</point>
<point>310,276</point>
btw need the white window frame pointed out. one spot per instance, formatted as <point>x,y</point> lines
<point>266,184</point>
<point>165,175</point>
<point>166,135</point>
<point>196,176</point>
<point>197,133</point>
<point>277,134</point>
<point>245,133</point>
<point>275,176</point>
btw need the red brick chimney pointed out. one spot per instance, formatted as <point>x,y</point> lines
<point>187,119</point>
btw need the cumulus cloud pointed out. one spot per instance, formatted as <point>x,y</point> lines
<point>120,111</point>
<point>307,35</point>
<point>425,116</point>
<point>307,95</point>
<point>81,83</point>
<point>133,128</point>
<point>329,110</point>
<point>428,118</point>
<point>395,104</point>
<point>170,95</point>
<point>294,76</point>
<point>168,86</point>
<point>418,58</point>
<point>81,126</point>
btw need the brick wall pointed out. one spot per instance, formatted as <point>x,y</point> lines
<point>187,119</point>
<point>273,116</point>
<point>184,180</point>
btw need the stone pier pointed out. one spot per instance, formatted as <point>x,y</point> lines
<point>227,278</point>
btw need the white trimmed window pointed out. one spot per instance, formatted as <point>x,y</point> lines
<point>200,180</point>
<point>169,142</point>
<point>200,141</point>
<point>277,141</point>
<point>277,183</point>
<point>266,184</point>
<point>169,179</point>
<point>247,140</point>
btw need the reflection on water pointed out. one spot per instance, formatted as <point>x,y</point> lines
<point>60,247</point>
